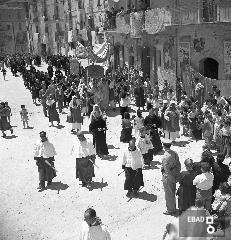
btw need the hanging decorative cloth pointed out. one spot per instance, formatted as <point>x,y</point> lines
<point>137,24</point>
<point>123,23</point>
<point>156,20</point>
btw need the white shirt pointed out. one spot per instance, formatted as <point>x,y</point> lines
<point>83,149</point>
<point>94,233</point>
<point>204,181</point>
<point>124,102</point>
<point>44,149</point>
<point>133,159</point>
<point>138,122</point>
<point>144,144</point>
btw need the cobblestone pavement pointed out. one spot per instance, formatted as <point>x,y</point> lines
<point>56,214</point>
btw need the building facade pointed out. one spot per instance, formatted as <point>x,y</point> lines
<point>13,30</point>
<point>173,34</point>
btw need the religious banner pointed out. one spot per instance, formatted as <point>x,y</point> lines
<point>156,20</point>
<point>184,54</point>
<point>227,57</point>
<point>166,74</point>
<point>137,24</point>
<point>123,23</point>
<point>74,66</point>
<point>95,71</point>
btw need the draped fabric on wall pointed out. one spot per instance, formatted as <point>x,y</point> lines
<point>189,75</point>
<point>166,74</point>
<point>156,20</point>
<point>137,24</point>
<point>100,52</point>
<point>123,23</point>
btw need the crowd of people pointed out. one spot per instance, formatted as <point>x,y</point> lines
<point>205,184</point>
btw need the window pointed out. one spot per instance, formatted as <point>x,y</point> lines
<point>98,3</point>
<point>8,27</point>
<point>46,29</point>
<point>37,29</point>
<point>20,26</point>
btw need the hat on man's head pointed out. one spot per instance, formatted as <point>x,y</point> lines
<point>42,134</point>
<point>167,142</point>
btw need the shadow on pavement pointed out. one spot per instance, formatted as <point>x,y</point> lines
<point>112,147</point>
<point>180,143</point>
<point>57,186</point>
<point>109,158</point>
<point>10,137</point>
<point>97,185</point>
<point>60,126</point>
<point>147,196</point>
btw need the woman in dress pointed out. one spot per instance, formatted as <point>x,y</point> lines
<point>187,191</point>
<point>4,123</point>
<point>126,133</point>
<point>75,113</point>
<point>52,112</point>
<point>98,128</point>
<point>96,110</point>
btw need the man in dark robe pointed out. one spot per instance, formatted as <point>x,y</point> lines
<point>152,123</point>
<point>139,95</point>
<point>98,128</point>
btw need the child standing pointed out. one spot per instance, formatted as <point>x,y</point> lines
<point>145,146</point>
<point>138,123</point>
<point>207,129</point>
<point>185,122</point>
<point>204,184</point>
<point>226,138</point>
<point>24,116</point>
<point>126,133</point>
<point>8,111</point>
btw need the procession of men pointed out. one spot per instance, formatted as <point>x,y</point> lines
<point>100,145</point>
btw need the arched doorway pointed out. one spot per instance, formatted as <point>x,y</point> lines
<point>209,67</point>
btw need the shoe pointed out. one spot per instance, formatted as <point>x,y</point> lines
<point>49,183</point>
<point>135,194</point>
<point>41,188</point>
<point>4,135</point>
<point>129,193</point>
<point>169,213</point>
<point>11,130</point>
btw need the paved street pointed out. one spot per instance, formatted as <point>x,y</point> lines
<point>56,214</point>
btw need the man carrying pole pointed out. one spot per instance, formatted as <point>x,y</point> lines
<point>44,155</point>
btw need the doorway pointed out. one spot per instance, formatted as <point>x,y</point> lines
<point>209,67</point>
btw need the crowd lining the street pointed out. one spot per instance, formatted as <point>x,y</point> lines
<point>203,185</point>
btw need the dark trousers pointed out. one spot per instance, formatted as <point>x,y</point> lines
<point>123,110</point>
<point>46,173</point>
